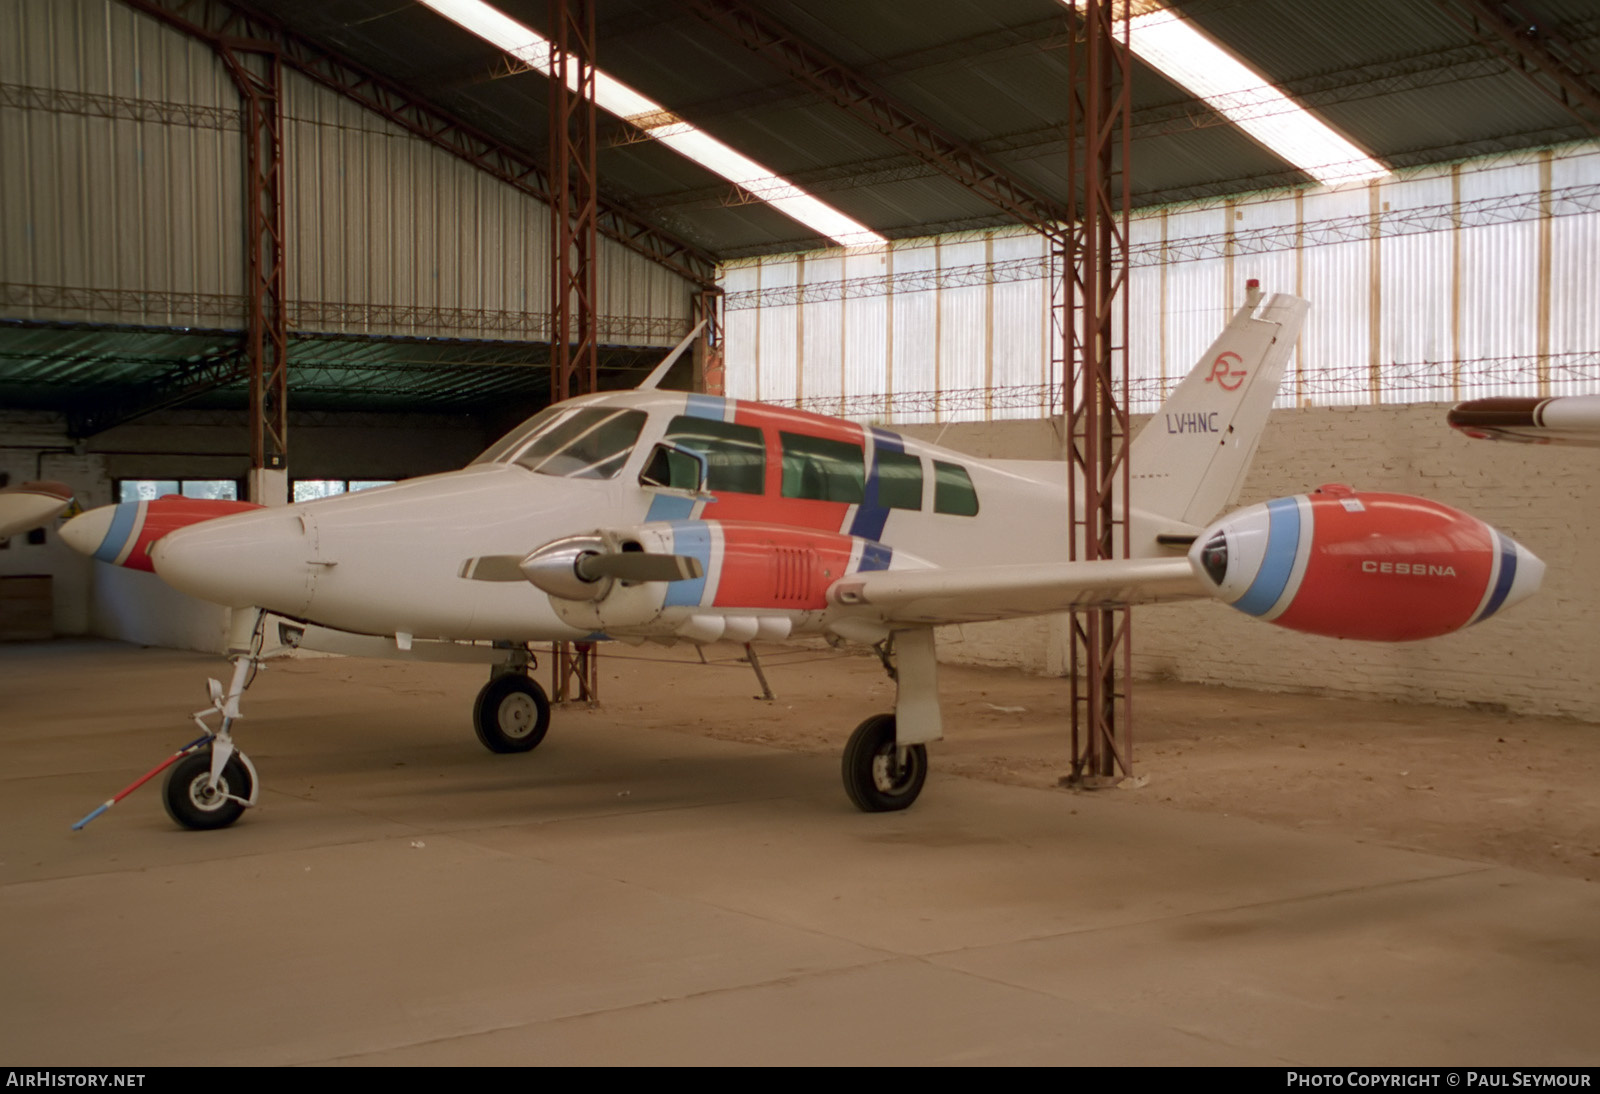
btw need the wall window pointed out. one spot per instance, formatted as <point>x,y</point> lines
<point>151,489</point>
<point>312,489</point>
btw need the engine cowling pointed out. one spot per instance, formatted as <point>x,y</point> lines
<point>756,581</point>
<point>1378,567</point>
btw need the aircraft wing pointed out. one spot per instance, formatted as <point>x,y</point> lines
<point>948,595</point>
<point>1566,419</point>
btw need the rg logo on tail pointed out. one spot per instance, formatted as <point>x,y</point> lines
<point>1225,374</point>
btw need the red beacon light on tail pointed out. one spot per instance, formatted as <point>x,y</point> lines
<point>1378,567</point>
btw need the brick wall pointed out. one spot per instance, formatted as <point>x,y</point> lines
<point>1541,657</point>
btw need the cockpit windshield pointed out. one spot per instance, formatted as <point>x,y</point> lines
<point>514,441</point>
<point>582,443</point>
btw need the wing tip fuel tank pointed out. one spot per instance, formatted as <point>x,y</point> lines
<point>1377,567</point>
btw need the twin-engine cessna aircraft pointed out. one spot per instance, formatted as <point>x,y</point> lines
<point>651,515</point>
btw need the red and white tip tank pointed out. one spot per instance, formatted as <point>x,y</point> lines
<point>1378,567</point>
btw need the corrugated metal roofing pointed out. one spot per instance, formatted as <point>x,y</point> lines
<point>75,367</point>
<point>1396,76</point>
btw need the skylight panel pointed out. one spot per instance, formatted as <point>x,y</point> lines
<point>615,97</point>
<point>1188,57</point>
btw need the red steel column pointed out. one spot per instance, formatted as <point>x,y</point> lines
<point>574,307</point>
<point>1092,308</point>
<point>259,76</point>
<point>709,367</point>
<point>574,204</point>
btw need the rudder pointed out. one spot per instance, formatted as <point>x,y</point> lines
<point>1190,460</point>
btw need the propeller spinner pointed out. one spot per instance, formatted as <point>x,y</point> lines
<point>581,567</point>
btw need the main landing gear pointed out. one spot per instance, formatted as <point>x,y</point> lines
<point>885,761</point>
<point>511,713</point>
<point>879,775</point>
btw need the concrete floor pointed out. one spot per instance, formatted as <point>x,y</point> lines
<point>630,895</point>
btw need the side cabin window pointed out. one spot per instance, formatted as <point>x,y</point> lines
<point>592,443</point>
<point>822,469</point>
<point>899,480</point>
<point>953,492</point>
<point>736,455</point>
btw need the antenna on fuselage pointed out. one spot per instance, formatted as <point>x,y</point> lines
<point>659,373</point>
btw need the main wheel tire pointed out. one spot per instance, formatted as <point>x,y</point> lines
<point>873,778</point>
<point>511,714</point>
<point>192,805</point>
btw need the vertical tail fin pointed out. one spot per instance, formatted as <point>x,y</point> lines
<point>1190,460</point>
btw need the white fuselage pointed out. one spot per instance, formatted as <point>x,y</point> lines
<point>389,560</point>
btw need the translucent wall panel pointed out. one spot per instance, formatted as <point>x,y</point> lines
<point>1446,283</point>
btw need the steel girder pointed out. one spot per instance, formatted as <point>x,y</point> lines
<point>865,100</point>
<point>710,368</point>
<point>257,72</point>
<point>172,387</point>
<point>216,20</point>
<point>1091,312</point>
<point>259,77</point>
<point>574,335</point>
<point>1531,46</point>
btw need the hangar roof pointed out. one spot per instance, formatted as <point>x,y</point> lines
<point>1410,81</point>
<point>1404,79</point>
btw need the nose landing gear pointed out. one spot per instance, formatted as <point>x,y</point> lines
<point>210,783</point>
<point>194,800</point>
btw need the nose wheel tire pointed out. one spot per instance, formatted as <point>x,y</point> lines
<point>193,805</point>
<point>878,776</point>
<point>511,714</point>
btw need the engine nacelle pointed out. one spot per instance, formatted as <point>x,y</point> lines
<point>1379,567</point>
<point>757,581</point>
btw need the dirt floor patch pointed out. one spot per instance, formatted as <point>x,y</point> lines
<point>1471,784</point>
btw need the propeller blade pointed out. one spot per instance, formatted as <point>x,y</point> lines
<point>639,566</point>
<point>493,568</point>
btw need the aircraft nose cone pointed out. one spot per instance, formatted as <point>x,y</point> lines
<point>255,559</point>
<point>86,532</point>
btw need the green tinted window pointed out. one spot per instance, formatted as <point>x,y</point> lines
<point>815,467</point>
<point>899,480</point>
<point>736,456</point>
<point>952,490</point>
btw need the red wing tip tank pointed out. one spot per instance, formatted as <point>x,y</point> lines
<point>1371,566</point>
